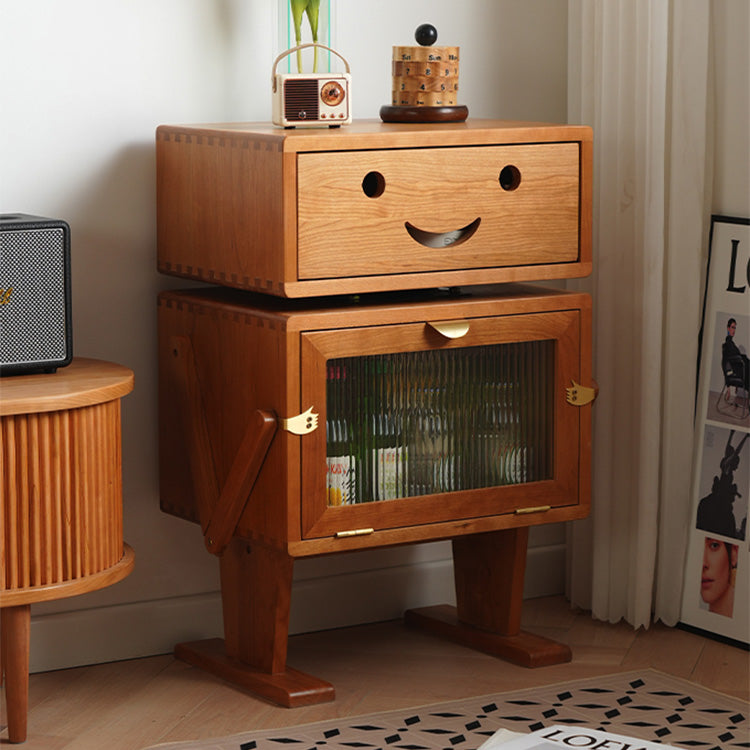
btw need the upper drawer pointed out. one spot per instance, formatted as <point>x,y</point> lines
<point>374,206</point>
<point>437,209</point>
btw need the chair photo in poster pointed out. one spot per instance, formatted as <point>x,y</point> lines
<point>716,589</point>
<point>730,384</point>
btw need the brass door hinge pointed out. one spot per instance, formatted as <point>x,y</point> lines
<point>353,532</point>
<point>535,509</point>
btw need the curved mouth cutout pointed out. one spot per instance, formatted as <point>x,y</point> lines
<point>442,239</point>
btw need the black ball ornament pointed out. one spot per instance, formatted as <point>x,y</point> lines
<point>426,34</point>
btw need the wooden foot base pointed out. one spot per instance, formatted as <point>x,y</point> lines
<point>289,688</point>
<point>525,649</point>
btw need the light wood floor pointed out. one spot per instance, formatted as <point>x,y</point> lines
<point>133,704</point>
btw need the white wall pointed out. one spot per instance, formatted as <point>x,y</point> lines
<point>83,85</point>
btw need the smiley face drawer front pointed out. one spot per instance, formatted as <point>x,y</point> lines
<point>373,207</point>
<point>404,211</point>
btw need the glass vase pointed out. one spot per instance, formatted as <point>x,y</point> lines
<point>289,36</point>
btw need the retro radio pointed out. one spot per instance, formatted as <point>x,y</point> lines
<point>35,317</point>
<point>311,99</point>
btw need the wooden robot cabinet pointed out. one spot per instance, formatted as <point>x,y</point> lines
<point>367,370</point>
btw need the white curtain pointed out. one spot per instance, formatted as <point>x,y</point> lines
<point>639,75</point>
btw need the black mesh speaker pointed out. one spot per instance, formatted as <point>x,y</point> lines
<point>35,318</point>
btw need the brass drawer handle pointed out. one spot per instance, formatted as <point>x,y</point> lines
<point>451,329</point>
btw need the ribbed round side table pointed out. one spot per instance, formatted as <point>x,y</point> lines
<point>61,502</point>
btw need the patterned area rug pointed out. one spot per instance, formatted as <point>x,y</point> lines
<point>646,705</point>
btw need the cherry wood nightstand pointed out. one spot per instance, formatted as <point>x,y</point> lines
<point>350,382</point>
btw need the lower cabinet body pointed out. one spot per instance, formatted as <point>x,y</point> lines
<point>293,429</point>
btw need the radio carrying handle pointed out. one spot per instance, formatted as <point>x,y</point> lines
<point>303,46</point>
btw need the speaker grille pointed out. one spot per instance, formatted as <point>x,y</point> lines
<point>301,100</point>
<point>33,304</point>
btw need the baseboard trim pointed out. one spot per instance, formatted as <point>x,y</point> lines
<point>137,629</point>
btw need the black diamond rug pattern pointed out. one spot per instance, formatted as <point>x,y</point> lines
<point>646,705</point>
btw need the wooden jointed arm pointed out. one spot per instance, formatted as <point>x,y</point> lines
<point>219,509</point>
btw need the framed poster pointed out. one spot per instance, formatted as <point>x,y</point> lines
<point>716,591</point>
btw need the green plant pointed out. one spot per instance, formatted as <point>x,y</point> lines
<point>300,8</point>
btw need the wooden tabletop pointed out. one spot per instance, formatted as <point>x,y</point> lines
<point>375,134</point>
<point>82,383</point>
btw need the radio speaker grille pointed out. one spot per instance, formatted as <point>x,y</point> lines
<point>301,100</point>
<point>35,330</point>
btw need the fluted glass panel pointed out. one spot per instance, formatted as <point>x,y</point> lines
<point>419,423</point>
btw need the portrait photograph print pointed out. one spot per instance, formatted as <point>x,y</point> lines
<point>716,590</point>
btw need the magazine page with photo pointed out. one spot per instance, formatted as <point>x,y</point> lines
<point>716,589</point>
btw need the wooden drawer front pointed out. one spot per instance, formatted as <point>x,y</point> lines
<point>354,209</point>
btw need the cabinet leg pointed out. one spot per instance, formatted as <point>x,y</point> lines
<point>489,571</point>
<point>15,630</point>
<point>256,584</point>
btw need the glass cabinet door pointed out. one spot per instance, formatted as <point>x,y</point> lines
<point>421,426</point>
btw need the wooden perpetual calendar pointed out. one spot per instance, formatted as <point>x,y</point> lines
<point>369,367</point>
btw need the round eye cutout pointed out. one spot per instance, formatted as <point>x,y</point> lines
<point>373,185</point>
<point>510,177</point>
<point>332,93</point>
